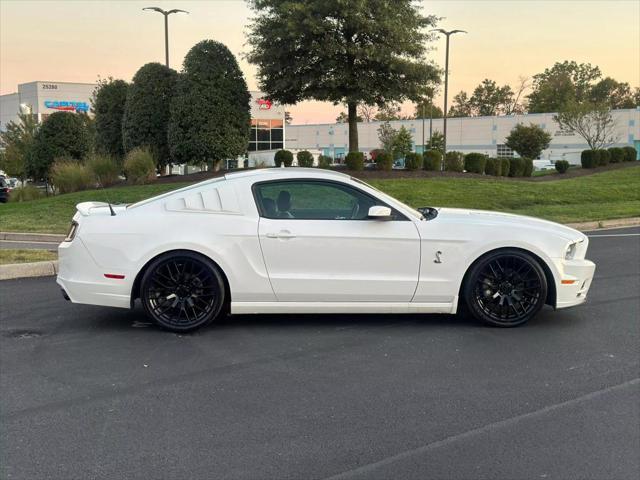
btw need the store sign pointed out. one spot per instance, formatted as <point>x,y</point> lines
<point>67,106</point>
<point>264,104</point>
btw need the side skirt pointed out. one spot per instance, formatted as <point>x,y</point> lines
<point>243,308</point>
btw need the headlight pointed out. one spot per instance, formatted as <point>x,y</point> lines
<point>571,250</point>
<point>72,231</point>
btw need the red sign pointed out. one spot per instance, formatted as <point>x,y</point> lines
<point>264,104</point>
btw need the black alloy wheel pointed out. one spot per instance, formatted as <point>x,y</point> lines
<point>506,288</point>
<point>182,291</point>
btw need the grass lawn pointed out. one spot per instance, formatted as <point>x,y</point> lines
<point>25,256</point>
<point>602,196</point>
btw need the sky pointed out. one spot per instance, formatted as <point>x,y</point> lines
<point>80,41</point>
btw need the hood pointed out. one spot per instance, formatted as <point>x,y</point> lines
<point>506,220</point>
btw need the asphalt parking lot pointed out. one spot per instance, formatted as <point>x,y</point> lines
<point>91,392</point>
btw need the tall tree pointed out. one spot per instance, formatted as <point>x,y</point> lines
<point>461,106</point>
<point>564,82</point>
<point>615,94</point>
<point>146,114</point>
<point>592,121</point>
<point>402,143</point>
<point>17,141</point>
<point>344,118</point>
<point>210,113</point>
<point>357,52</point>
<point>489,99</point>
<point>367,112</point>
<point>61,135</point>
<point>109,101</point>
<point>528,141</point>
<point>387,136</point>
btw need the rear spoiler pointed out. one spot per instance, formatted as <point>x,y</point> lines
<point>85,207</point>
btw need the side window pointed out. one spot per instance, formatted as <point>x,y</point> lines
<point>310,200</point>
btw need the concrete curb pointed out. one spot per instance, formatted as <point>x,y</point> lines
<point>616,223</point>
<point>32,237</point>
<point>25,270</point>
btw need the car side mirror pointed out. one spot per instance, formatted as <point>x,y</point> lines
<point>378,212</point>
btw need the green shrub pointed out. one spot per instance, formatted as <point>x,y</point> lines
<point>589,158</point>
<point>25,194</point>
<point>324,161</point>
<point>630,154</point>
<point>616,155</point>
<point>70,176</point>
<point>475,162</point>
<point>413,161</point>
<point>283,156</point>
<point>493,167</point>
<point>384,161</point>
<point>305,159</point>
<point>516,167</point>
<point>562,166</point>
<point>528,167</point>
<point>354,160</point>
<point>454,162</point>
<point>432,160</point>
<point>605,158</point>
<point>140,166</point>
<point>104,169</point>
<point>506,166</point>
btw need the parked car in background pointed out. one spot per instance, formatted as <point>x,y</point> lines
<point>4,190</point>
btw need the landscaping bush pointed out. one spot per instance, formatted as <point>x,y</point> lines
<point>528,167</point>
<point>283,156</point>
<point>562,166</point>
<point>630,154</point>
<point>589,158</point>
<point>384,161</point>
<point>70,176</point>
<point>616,154</point>
<point>493,167</point>
<point>104,169</point>
<point>324,161</point>
<point>354,160</point>
<point>475,162</point>
<point>454,162</point>
<point>140,166</point>
<point>605,158</point>
<point>25,194</point>
<point>506,166</point>
<point>432,160</point>
<point>413,161</point>
<point>516,167</point>
<point>305,159</point>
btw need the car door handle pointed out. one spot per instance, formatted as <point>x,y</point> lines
<point>281,234</point>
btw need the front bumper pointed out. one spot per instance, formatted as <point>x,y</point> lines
<point>580,274</point>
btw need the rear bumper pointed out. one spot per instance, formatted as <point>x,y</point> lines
<point>580,273</point>
<point>83,280</point>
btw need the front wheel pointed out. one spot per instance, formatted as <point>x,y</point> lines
<point>506,288</point>
<point>182,291</point>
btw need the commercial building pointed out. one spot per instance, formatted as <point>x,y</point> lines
<point>473,134</point>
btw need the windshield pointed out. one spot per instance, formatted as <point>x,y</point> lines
<point>388,198</point>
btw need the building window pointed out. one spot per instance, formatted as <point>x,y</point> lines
<point>504,151</point>
<point>266,134</point>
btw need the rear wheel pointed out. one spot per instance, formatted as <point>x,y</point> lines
<point>182,291</point>
<point>506,288</point>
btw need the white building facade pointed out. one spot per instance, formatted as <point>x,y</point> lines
<point>472,134</point>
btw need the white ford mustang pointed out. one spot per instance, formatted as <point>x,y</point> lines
<point>315,241</point>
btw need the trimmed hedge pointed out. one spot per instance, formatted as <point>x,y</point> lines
<point>432,160</point>
<point>283,156</point>
<point>475,162</point>
<point>384,161</point>
<point>493,167</point>
<point>454,162</point>
<point>305,159</point>
<point>413,161</point>
<point>528,167</point>
<point>617,155</point>
<point>589,158</point>
<point>605,158</point>
<point>354,161</point>
<point>516,167</point>
<point>630,154</point>
<point>324,161</point>
<point>562,166</point>
<point>506,166</point>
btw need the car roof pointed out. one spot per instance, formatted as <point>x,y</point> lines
<point>289,172</point>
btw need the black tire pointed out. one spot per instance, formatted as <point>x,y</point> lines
<point>182,291</point>
<point>505,288</point>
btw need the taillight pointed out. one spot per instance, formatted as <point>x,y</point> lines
<point>72,231</point>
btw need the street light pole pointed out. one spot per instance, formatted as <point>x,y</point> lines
<point>166,14</point>
<point>446,84</point>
